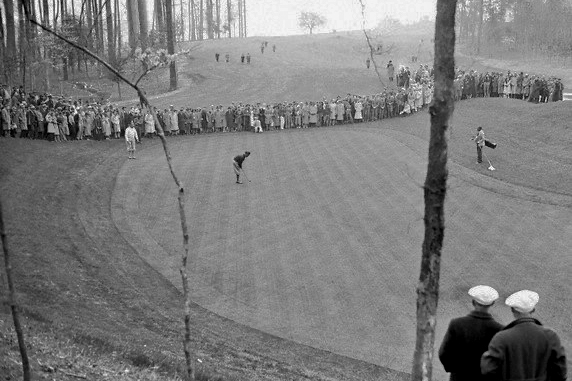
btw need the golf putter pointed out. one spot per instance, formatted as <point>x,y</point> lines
<point>244,173</point>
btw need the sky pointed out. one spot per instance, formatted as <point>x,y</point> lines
<point>280,17</point>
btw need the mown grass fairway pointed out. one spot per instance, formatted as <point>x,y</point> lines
<point>322,248</point>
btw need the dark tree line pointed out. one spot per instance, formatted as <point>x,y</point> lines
<point>113,29</point>
<point>536,26</point>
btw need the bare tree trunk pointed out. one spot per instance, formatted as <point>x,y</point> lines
<point>11,52</point>
<point>95,14</point>
<point>54,14</point>
<point>118,30</point>
<point>201,21</point>
<point>218,28</point>
<point>143,23</point>
<point>159,18</point>
<point>46,12</point>
<point>182,20</point>
<point>133,23</point>
<point>192,23</point>
<point>13,303</point>
<point>435,189</point>
<point>229,17</point>
<point>2,50</point>
<point>480,31</point>
<point>240,19</point>
<point>244,33</point>
<point>32,28</point>
<point>110,34</point>
<point>210,21</point>
<point>100,43</point>
<point>24,42</point>
<point>89,18</point>
<point>171,43</point>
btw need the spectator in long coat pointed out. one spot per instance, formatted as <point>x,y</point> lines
<point>524,349</point>
<point>53,130</point>
<point>229,117</point>
<point>6,120</point>
<point>89,123</point>
<point>32,122</point>
<point>468,337</point>
<point>116,123</point>
<point>22,120</point>
<point>313,111</point>
<point>41,127</point>
<point>174,119</point>
<point>149,124</point>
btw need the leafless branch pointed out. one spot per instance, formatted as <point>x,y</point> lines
<point>181,197</point>
<point>369,43</point>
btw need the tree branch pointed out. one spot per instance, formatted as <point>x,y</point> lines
<point>181,198</point>
<point>12,300</point>
<point>369,43</point>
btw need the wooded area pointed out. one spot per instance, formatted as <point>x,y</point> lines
<point>113,29</point>
<point>538,27</point>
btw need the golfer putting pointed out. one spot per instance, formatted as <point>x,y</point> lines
<point>237,166</point>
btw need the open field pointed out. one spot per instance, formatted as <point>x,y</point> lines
<point>309,271</point>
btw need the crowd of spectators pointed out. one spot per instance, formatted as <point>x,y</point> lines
<point>43,116</point>
<point>533,88</point>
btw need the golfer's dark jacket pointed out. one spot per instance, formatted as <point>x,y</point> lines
<point>525,350</point>
<point>239,159</point>
<point>466,340</point>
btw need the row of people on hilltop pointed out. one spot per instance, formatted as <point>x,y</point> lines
<point>42,116</point>
<point>532,88</point>
<point>244,57</point>
<point>473,84</point>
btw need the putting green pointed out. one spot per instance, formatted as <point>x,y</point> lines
<point>323,245</point>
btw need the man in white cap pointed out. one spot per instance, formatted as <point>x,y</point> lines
<point>468,337</point>
<point>524,349</point>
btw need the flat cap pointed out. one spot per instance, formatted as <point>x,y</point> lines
<point>523,301</point>
<point>484,295</point>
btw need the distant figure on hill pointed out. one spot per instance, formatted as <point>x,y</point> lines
<point>217,56</point>
<point>227,57</point>
<point>367,62</point>
<point>247,58</point>
<point>242,58</point>
<point>262,48</point>
<point>274,48</point>
<point>468,337</point>
<point>390,71</point>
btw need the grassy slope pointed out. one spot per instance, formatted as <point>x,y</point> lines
<point>71,257</point>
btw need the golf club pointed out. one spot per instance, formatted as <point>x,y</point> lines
<point>244,173</point>
<point>491,168</point>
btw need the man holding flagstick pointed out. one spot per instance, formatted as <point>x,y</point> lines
<point>481,142</point>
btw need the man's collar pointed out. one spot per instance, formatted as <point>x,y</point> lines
<point>523,320</point>
<point>480,314</point>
